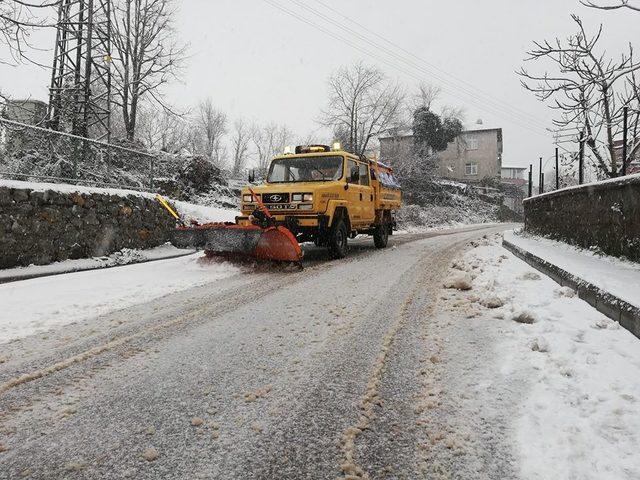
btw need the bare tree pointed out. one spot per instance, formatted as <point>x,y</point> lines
<point>631,96</point>
<point>240,144</point>
<point>425,95</point>
<point>362,104</point>
<point>160,129</point>
<point>212,124</point>
<point>308,139</point>
<point>147,54</point>
<point>587,89</point>
<point>617,4</point>
<point>18,19</point>
<point>269,141</point>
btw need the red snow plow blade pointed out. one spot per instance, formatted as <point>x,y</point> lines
<point>263,239</point>
<point>263,243</point>
<point>278,243</point>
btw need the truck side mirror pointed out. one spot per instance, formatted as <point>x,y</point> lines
<point>252,175</point>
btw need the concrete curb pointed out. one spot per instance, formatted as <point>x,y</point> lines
<point>29,276</point>
<point>613,307</point>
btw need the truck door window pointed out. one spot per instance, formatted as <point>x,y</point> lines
<point>353,172</point>
<point>364,174</point>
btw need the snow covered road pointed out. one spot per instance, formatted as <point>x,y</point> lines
<point>362,368</point>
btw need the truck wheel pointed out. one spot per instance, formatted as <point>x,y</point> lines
<point>337,241</point>
<point>381,236</point>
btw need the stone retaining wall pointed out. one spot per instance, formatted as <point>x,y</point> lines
<point>603,215</point>
<point>40,227</point>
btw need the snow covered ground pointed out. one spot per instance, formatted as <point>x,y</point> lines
<point>125,256</point>
<point>204,214</point>
<point>404,229</point>
<point>36,305</point>
<point>618,277</point>
<point>580,418</point>
<point>459,210</point>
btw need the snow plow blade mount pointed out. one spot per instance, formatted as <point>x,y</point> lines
<point>269,243</point>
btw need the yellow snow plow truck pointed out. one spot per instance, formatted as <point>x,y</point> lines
<point>312,193</point>
<point>326,195</point>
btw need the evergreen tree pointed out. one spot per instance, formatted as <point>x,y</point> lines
<point>431,133</point>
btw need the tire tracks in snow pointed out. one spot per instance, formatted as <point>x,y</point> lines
<point>220,307</point>
<point>350,467</point>
<point>370,400</point>
<point>200,314</point>
<point>205,313</point>
<point>429,275</point>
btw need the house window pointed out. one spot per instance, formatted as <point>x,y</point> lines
<point>471,169</point>
<point>472,143</point>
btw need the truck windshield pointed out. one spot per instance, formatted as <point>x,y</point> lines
<point>305,169</point>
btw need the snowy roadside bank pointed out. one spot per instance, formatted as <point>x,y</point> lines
<point>39,304</point>
<point>125,256</point>
<point>621,278</point>
<point>580,417</point>
<point>440,228</point>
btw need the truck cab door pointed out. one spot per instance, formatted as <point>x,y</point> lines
<point>354,193</point>
<point>366,194</point>
<point>360,194</point>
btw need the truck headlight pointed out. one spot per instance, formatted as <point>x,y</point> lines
<point>305,207</point>
<point>296,197</point>
<point>307,197</point>
<point>247,198</point>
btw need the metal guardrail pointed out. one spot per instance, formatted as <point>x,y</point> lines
<point>32,153</point>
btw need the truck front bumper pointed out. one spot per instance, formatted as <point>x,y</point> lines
<point>296,221</point>
<point>299,220</point>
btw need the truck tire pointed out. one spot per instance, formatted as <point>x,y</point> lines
<point>337,241</point>
<point>381,235</point>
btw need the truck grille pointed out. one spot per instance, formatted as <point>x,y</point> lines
<point>275,198</point>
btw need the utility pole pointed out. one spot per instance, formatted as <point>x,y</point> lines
<point>81,69</point>
<point>557,170</point>
<point>540,178</point>
<point>581,160</point>
<point>530,180</point>
<point>625,119</point>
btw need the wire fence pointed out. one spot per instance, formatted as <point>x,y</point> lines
<point>32,153</point>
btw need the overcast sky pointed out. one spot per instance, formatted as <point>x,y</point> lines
<point>258,62</point>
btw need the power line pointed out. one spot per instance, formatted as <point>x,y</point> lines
<point>501,111</point>
<point>383,60</point>
<point>474,90</point>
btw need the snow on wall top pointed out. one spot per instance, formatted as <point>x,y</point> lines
<point>619,181</point>
<point>68,188</point>
<point>189,211</point>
